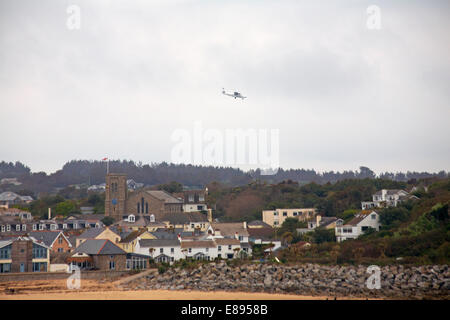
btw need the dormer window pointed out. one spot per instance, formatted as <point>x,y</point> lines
<point>131,218</point>
<point>24,227</point>
<point>41,227</point>
<point>152,218</point>
<point>64,225</point>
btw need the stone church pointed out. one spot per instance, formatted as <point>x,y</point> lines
<point>119,202</point>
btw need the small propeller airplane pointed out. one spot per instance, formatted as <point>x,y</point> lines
<point>234,94</point>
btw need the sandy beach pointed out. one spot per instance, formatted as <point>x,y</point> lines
<point>155,295</point>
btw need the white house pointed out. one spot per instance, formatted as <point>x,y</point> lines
<point>358,225</point>
<point>387,198</point>
<point>199,249</point>
<point>162,250</point>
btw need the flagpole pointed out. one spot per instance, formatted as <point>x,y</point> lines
<point>107,167</point>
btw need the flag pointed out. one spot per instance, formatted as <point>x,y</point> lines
<point>104,159</point>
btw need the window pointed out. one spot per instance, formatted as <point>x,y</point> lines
<point>172,259</point>
<point>190,250</point>
<point>192,225</point>
<point>5,253</point>
<point>39,252</point>
<point>60,250</point>
<point>60,240</point>
<point>241,238</point>
<point>275,213</point>
<point>172,250</point>
<point>294,213</point>
<point>219,248</point>
<point>65,226</point>
<point>284,214</point>
<point>131,218</point>
<point>191,198</point>
<point>75,226</point>
<point>161,250</point>
<point>275,223</point>
<point>8,228</point>
<point>373,216</point>
<point>364,228</point>
<point>53,227</point>
<point>146,207</point>
<point>24,227</point>
<point>112,265</point>
<point>41,227</point>
<point>39,266</point>
<point>3,228</point>
<point>207,249</point>
<point>138,207</point>
<point>229,247</point>
<point>201,198</point>
<point>17,227</point>
<point>5,267</point>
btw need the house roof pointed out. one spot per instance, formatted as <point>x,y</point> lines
<point>359,217</point>
<point>4,243</point>
<point>164,196</point>
<point>389,192</point>
<point>47,237</point>
<point>258,223</point>
<point>198,244</point>
<point>98,247</point>
<point>184,217</point>
<point>226,241</point>
<point>9,196</point>
<point>229,229</point>
<point>325,221</point>
<point>91,233</point>
<point>260,233</point>
<point>166,234</point>
<point>148,243</point>
<point>130,236</point>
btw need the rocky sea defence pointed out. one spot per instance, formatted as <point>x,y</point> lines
<point>395,282</point>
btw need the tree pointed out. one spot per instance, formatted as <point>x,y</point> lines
<point>321,235</point>
<point>108,221</point>
<point>65,207</point>
<point>287,237</point>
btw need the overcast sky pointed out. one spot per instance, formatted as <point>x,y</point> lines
<point>341,95</point>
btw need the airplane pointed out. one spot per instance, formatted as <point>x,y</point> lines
<point>234,94</point>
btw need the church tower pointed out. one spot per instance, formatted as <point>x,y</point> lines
<point>115,195</point>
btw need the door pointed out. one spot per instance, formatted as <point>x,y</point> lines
<point>22,267</point>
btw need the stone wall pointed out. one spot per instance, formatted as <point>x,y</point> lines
<point>31,276</point>
<point>317,280</point>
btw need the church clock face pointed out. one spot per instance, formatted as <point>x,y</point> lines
<point>114,201</point>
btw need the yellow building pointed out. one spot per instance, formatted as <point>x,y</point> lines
<point>129,242</point>
<point>275,218</point>
<point>99,233</point>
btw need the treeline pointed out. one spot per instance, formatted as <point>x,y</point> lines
<point>93,172</point>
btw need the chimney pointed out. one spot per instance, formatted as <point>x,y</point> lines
<point>318,218</point>
<point>49,213</point>
<point>245,225</point>
<point>236,235</point>
<point>210,215</point>
<point>179,237</point>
